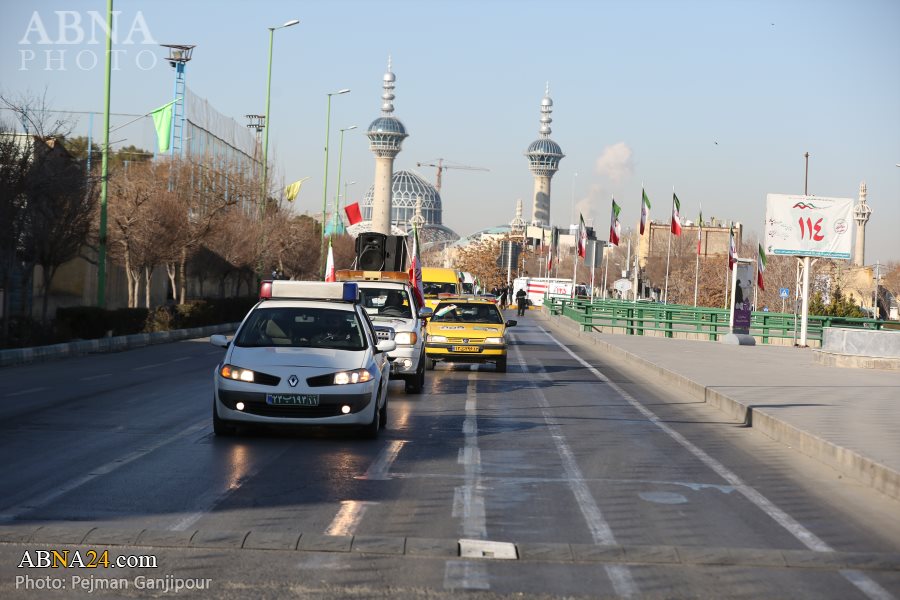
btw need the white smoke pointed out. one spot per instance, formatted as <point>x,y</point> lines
<point>615,162</point>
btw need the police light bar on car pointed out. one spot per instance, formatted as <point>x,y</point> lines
<point>347,275</point>
<point>309,290</point>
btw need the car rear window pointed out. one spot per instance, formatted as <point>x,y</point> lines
<point>465,312</point>
<point>302,327</point>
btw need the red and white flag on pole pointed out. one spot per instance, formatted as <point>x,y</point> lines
<point>582,237</point>
<point>615,228</point>
<point>329,264</point>
<point>760,268</point>
<point>700,230</point>
<point>676,215</point>
<point>732,250</point>
<point>415,269</point>
<point>645,210</point>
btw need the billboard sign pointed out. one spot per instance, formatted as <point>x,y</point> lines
<point>809,226</point>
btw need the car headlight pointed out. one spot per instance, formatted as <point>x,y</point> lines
<point>354,376</point>
<point>406,338</point>
<point>237,373</point>
<point>437,338</point>
<point>494,340</point>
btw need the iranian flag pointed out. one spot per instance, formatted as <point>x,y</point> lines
<point>700,230</point>
<point>582,237</point>
<point>732,251</point>
<point>676,216</point>
<point>645,210</point>
<point>329,264</point>
<point>760,268</point>
<point>415,269</point>
<point>614,227</point>
<point>554,248</point>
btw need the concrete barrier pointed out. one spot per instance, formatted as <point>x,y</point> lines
<point>860,349</point>
<point>20,356</point>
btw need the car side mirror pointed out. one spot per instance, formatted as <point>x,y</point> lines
<point>512,323</point>
<point>425,312</point>
<point>219,340</point>
<point>386,346</point>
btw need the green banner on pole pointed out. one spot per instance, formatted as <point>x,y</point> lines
<point>162,120</point>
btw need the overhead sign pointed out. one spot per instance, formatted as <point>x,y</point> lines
<point>808,226</point>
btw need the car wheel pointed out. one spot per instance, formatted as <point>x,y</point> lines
<point>415,384</point>
<point>221,427</point>
<point>431,363</point>
<point>370,431</point>
<point>501,365</point>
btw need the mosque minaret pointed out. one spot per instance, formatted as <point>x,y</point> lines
<point>543,159</point>
<point>861,214</point>
<point>386,134</point>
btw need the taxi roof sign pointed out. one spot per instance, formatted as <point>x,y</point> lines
<point>309,290</point>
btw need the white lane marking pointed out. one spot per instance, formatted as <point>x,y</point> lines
<point>517,480</point>
<point>151,366</point>
<point>468,499</point>
<point>30,505</point>
<point>93,377</point>
<point>219,352</point>
<point>865,584</point>
<point>28,391</point>
<point>181,358</point>
<point>348,518</point>
<point>380,469</point>
<point>619,575</point>
<point>466,575</point>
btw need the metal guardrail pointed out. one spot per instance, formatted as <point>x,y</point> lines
<point>639,318</point>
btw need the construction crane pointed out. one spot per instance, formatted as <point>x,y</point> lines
<point>440,166</point>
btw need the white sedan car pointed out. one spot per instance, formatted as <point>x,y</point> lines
<point>306,354</point>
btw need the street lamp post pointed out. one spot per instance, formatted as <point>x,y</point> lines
<point>267,122</point>
<point>337,193</point>
<point>325,179</point>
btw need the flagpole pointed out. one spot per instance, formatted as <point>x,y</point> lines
<point>669,250</point>
<point>605,273</point>
<point>697,265</point>
<point>728,268</point>
<point>756,287</point>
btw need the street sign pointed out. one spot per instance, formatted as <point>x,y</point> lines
<point>784,292</point>
<point>623,285</point>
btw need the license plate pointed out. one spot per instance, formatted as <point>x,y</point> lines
<point>293,399</point>
<point>465,349</point>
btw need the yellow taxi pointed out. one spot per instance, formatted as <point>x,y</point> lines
<point>467,329</point>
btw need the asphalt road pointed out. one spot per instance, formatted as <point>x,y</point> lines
<point>607,484</point>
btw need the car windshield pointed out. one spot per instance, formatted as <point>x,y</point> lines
<point>433,288</point>
<point>464,312</point>
<point>386,302</point>
<point>302,327</point>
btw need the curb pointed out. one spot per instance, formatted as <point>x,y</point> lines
<point>867,471</point>
<point>445,548</point>
<point>21,356</point>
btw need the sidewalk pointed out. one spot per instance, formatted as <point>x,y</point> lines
<point>846,418</point>
<point>21,356</point>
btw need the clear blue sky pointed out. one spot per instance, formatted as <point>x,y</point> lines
<point>719,99</point>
